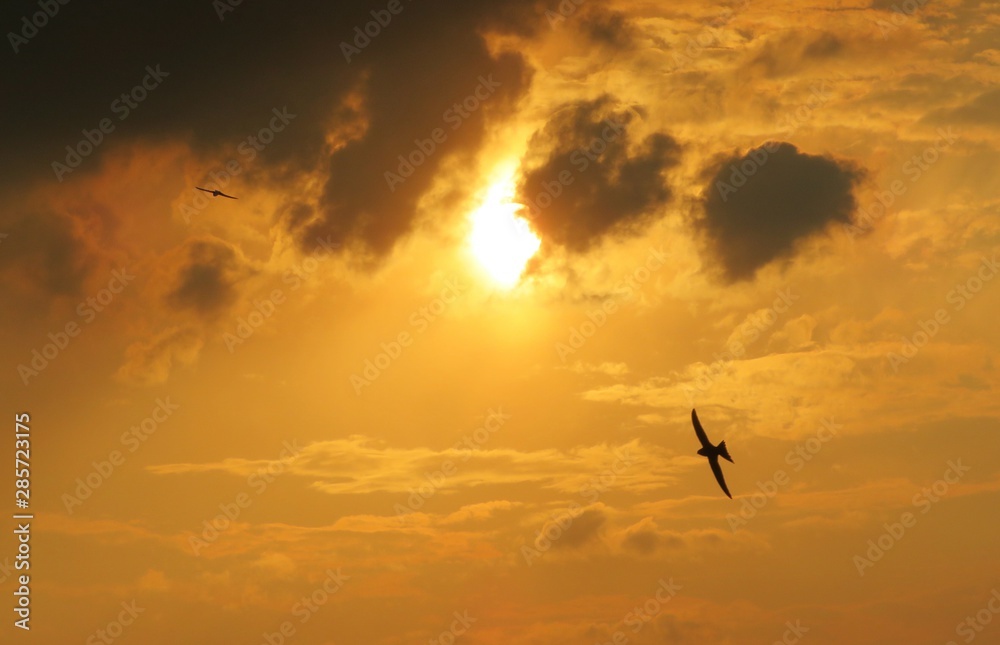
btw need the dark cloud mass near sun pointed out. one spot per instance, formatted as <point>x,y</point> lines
<point>224,83</point>
<point>594,175</point>
<point>759,204</point>
<point>358,201</point>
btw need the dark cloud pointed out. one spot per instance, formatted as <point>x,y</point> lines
<point>645,538</point>
<point>222,78</point>
<point>592,177</point>
<point>643,542</point>
<point>790,52</point>
<point>42,253</point>
<point>371,193</point>
<point>758,205</point>
<point>611,28</point>
<point>585,528</point>
<point>208,277</point>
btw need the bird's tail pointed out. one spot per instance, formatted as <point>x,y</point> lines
<point>724,452</point>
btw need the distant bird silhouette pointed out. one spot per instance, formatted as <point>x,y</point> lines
<point>216,193</point>
<point>712,452</point>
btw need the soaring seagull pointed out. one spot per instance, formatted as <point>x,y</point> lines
<point>712,452</point>
<point>216,193</point>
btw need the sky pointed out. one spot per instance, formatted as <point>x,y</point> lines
<point>429,376</point>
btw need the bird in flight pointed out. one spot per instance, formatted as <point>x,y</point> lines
<point>216,193</point>
<point>712,452</point>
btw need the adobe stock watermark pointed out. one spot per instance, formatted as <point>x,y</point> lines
<point>248,149</point>
<point>121,106</point>
<point>742,172</point>
<point>263,309</point>
<point>6,570</point>
<point>748,332</point>
<point>115,628</point>
<point>132,439</point>
<point>564,10</point>
<point>913,169</point>
<point>222,7</point>
<point>461,624</point>
<point>87,311</point>
<point>258,482</point>
<point>475,440</point>
<point>591,491</point>
<point>30,28</point>
<point>420,320</point>
<point>975,624</point>
<point>902,13</point>
<point>455,115</point>
<point>924,500</point>
<point>306,607</point>
<point>641,615</point>
<point>598,317</point>
<point>797,457</point>
<point>958,297</point>
<point>793,633</point>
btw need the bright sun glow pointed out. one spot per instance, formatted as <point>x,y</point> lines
<point>500,240</point>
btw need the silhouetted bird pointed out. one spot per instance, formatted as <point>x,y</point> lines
<point>712,452</point>
<point>216,193</point>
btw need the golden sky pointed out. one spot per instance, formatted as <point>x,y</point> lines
<point>429,378</point>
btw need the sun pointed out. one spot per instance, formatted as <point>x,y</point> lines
<point>502,241</point>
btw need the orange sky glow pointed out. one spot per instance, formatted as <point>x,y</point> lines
<point>429,377</point>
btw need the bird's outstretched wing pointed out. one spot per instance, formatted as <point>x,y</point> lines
<point>702,437</point>
<point>204,189</point>
<point>222,194</point>
<point>717,469</point>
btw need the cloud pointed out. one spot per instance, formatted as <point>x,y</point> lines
<point>607,368</point>
<point>479,512</point>
<point>376,177</point>
<point>585,528</point>
<point>207,279</point>
<point>275,564</point>
<point>154,580</point>
<point>758,205</point>
<point>991,56</point>
<point>794,335</point>
<point>360,464</point>
<point>43,252</point>
<point>645,538</point>
<point>356,104</point>
<point>984,109</point>
<point>149,363</point>
<point>201,97</point>
<point>971,382</point>
<point>612,29</point>
<point>788,53</point>
<point>586,177</point>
